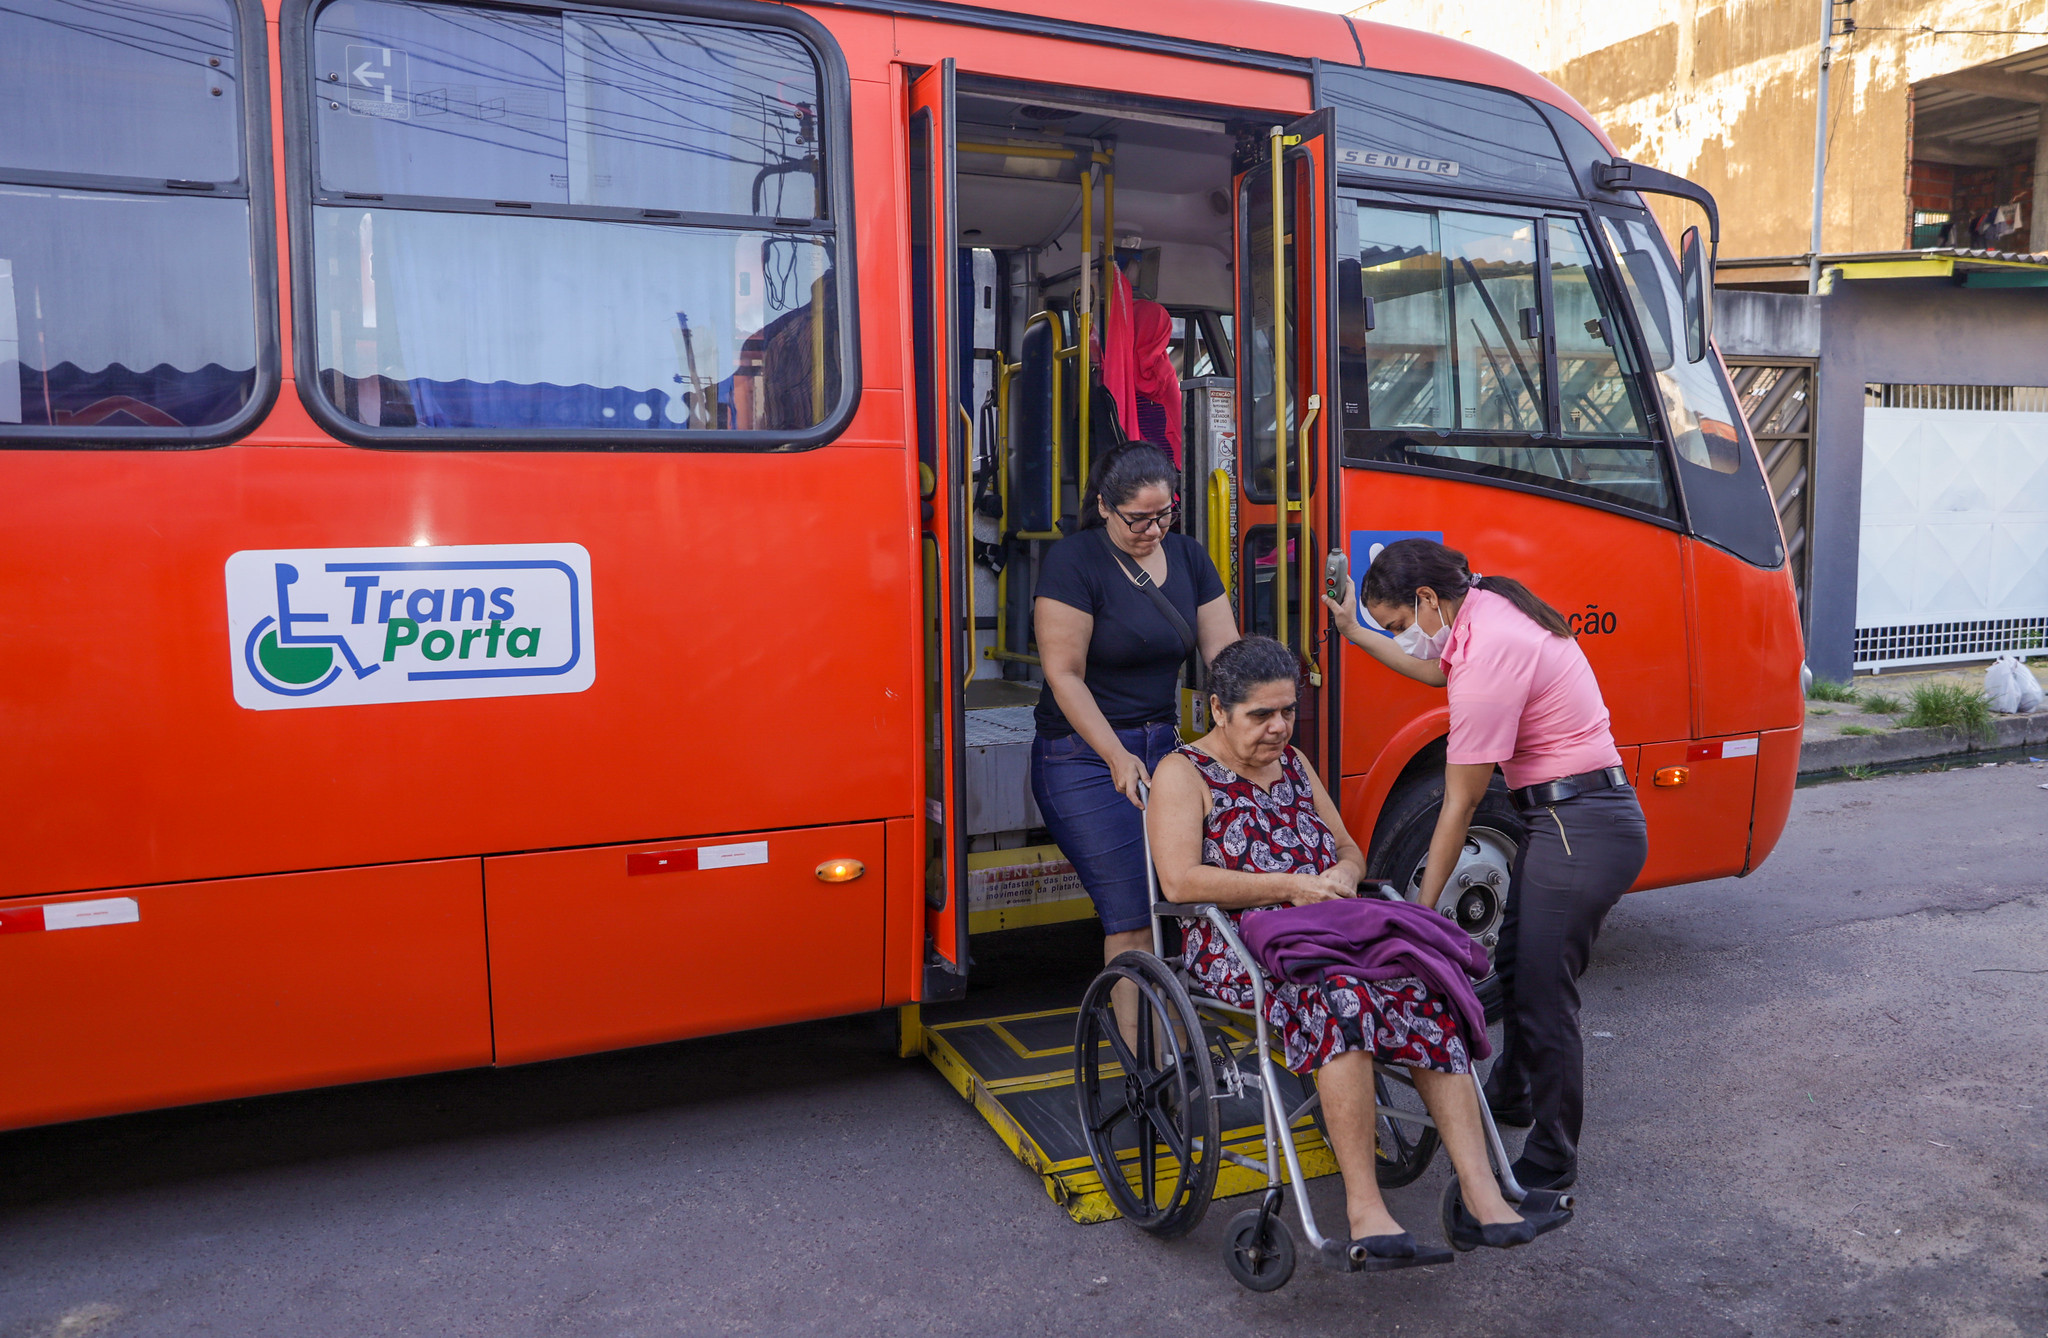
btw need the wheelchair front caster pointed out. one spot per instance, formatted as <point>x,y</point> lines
<point>1447,1209</point>
<point>1258,1250</point>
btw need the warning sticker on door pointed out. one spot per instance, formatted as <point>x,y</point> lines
<point>1036,876</point>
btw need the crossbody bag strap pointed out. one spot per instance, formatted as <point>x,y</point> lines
<point>1143,580</point>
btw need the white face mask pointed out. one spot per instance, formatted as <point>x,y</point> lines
<point>1420,644</point>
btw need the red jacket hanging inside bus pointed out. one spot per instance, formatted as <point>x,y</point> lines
<point>1137,367</point>
<point>1158,385</point>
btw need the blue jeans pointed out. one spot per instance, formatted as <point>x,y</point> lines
<point>1099,831</point>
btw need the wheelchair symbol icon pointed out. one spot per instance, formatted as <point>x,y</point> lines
<point>293,663</point>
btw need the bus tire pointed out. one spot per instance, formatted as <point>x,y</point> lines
<point>1400,849</point>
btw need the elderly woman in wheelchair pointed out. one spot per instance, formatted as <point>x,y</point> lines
<point>1239,822</point>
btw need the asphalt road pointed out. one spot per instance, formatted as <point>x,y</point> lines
<point>1816,1106</point>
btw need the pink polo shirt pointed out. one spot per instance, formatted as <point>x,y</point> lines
<point>1522,697</point>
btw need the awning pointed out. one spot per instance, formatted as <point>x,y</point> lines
<point>1968,268</point>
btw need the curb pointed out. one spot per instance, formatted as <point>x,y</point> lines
<point>1914,745</point>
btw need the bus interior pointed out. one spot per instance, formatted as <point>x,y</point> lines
<point>1047,183</point>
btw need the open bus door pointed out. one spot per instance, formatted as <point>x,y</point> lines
<point>1286,489</point>
<point>943,542</point>
<point>1008,1052</point>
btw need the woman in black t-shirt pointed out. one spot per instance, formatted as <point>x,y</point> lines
<point>1112,654</point>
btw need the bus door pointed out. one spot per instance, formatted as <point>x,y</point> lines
<point>1284,490</point>
<point>943,537</point>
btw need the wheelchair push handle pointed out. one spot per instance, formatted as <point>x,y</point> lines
<point>1145,826</point>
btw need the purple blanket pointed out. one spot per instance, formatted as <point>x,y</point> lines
<point>1373,939</point>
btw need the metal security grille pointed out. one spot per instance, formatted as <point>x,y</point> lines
<point>1952,560</point>
<point>1777,403</point>
<point>1923,643</point>
<point>2009,399</point>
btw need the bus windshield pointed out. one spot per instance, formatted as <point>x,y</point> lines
<point>1726,497</point>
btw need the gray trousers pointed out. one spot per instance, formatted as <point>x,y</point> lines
<point>1580,856</point>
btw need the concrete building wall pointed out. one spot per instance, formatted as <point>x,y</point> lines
<point>1724,93</point>
<point>1766,325</point>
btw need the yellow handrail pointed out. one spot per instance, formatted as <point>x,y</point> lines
<point>1306,545</point>
<point>1081,463</point>
<point>1109,228</point>
<point>1219,526</point>
<point>1082,326</point>
<point>1276,149</point>
<point>1033,151</point>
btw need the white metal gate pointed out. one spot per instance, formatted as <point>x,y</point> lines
<point>1954,548</point>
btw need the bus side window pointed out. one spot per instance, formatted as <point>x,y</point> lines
<point>1594,388</point>
<point>1199,348</point>
<point>571,222</point>
<point>1439,369</point>
<point>128,303</point>
<point>1407,362</point>
<point>1491,263</point>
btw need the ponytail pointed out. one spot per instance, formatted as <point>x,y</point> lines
<point>1523,598</point>
<point>1407,565</point>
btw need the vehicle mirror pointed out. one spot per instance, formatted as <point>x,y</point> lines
<point>1695,282</point>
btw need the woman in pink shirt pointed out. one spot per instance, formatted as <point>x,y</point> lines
<point>1524,699</point>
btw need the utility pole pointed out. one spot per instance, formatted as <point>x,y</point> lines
<point>1820,129</point>
<point>1820,142</point>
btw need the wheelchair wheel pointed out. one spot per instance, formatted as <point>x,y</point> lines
<point>1403,1148</point>
<point>1261,1260</point>
<point>1148,1117</point>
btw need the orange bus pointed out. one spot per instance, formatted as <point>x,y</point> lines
<point>521,515</point>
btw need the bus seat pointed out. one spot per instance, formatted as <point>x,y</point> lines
<point>1031,420</point>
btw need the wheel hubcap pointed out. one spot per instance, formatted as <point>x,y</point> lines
<point>1477,894</point>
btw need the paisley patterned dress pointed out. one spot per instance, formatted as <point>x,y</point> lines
<point>1399,1021</point>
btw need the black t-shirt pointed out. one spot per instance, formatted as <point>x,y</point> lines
<point>1134,653</point>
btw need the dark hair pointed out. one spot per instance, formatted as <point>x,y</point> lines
<point>1118,475</point>
<point>1408,564</point>
<point>1247,663</point>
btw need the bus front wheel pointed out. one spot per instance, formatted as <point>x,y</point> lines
<point>1477,895</point>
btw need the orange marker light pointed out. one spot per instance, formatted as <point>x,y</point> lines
<point>841,870</point>
<point>1666,776</point>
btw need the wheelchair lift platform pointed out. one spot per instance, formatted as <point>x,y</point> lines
<point>1017,1068</point>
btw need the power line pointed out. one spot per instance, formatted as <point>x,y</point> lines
<point>1945,32</point>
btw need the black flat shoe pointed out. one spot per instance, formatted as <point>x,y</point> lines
<point>1543,1211</point>
<point>1383,1254</point>
<point>1531,1176</point>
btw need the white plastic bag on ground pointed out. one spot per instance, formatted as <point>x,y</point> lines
<point>2030,687</point>
<point>2003,687</point>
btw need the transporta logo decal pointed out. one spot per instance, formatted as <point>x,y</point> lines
<point>357,626</point>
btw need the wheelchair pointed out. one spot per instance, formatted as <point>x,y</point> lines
<point>1150,1115</point>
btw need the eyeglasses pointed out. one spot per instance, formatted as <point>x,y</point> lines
<point>1156,520</point>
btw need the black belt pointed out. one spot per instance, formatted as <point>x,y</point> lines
<point>1557,791</point>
